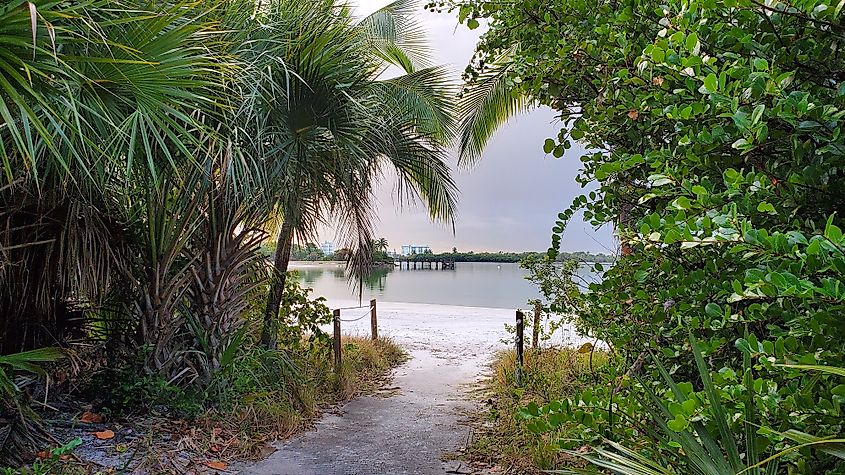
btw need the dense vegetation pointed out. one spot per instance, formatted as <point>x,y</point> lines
<point>501,437</point>
<point>148,148</point>
<point>715,130</point>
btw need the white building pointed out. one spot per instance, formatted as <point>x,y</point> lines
<point>327,247</point>
<point>409,249</point>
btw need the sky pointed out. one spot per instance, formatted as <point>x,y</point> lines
<point>510,199</point>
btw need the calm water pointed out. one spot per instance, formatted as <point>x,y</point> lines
<point>473,284</point>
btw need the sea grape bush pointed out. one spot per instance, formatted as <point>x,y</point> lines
<point>715,130</point>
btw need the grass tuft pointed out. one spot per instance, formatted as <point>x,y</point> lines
<point>500,437</point>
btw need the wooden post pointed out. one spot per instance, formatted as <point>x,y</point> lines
<point>373,319</point>
<point>520,345</point>
<point>535,333</point>
<point>337,360</point>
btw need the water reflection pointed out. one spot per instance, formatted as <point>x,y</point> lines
<point>311,274</point>
<point>377,278</point>
<point>469,284</point>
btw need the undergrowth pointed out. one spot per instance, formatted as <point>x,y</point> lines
<point>264,396</point>
<point>275,394</point>
<point>501,437</point>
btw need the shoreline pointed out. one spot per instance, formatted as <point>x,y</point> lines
<point>342,303</point>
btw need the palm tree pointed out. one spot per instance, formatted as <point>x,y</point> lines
<point>381,244</point>
<point>106,113</point>
<point>106,119</point>
<point>332,126</point>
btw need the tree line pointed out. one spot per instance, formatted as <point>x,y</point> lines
<point>311,252</point>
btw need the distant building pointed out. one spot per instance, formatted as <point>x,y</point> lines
<point>410,249</point>
<point>327,247</point>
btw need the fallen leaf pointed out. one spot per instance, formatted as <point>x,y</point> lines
<point>633,114</point>
<point>214,449</point>
<point>89,417</point>
<point>43,455</point>
<point>657,80</point>
<point>217,465</point>
<point>104,435</point>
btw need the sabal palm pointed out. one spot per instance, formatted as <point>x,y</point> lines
<point>90,116</point>
<point>103,110</point>
<point>328,126</point>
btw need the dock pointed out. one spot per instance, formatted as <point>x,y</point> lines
<point>425,263</point>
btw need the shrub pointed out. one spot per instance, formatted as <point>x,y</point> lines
<point>714,141</point>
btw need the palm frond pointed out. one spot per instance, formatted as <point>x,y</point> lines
<point>396,35</point>
<point>424,99</point>
<point>487,103</point>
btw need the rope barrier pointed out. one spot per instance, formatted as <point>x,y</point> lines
<point>370,308</point>
<point>353,308</point>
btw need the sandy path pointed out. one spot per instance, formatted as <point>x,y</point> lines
<point>409,431</point>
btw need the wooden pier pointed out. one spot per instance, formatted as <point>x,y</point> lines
<point>425,263</point>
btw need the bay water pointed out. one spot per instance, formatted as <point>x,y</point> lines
<point>470,284</point>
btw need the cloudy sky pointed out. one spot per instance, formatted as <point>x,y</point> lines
<point>508,201</point>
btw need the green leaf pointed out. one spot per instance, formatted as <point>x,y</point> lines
<point>678,424</point>
<point>472,23</point>
<point>744,346</point>
<point>766,207</point>
<point>657,54</point>
<point>463,13</point>
<point>720,417</point>
<point>682,203</point>
<point>711,83</point>
<point>833,233</point>
<point>713,310</point>
<point>757,113</point>
<point>691,42</point>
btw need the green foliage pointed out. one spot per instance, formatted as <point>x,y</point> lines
<point>714,138</point>
<point>556,282</point>
<point>702,448</point>
<point>244,368</point>
<point>20,428</point>
<point>301,318</point>
<point>128,392</point>
<point>52,465</point>
<point>505,436</point>
<point>308,252</point>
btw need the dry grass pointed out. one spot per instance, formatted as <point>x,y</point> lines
<point>500,436</point>
<point>366,365</point>
<point>270,412</point>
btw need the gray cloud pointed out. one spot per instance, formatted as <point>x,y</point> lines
<point>508,201</point>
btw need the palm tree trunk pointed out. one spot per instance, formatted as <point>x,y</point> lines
<point>277,285</point>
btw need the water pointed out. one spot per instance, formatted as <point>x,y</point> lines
<point>471,284</point>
